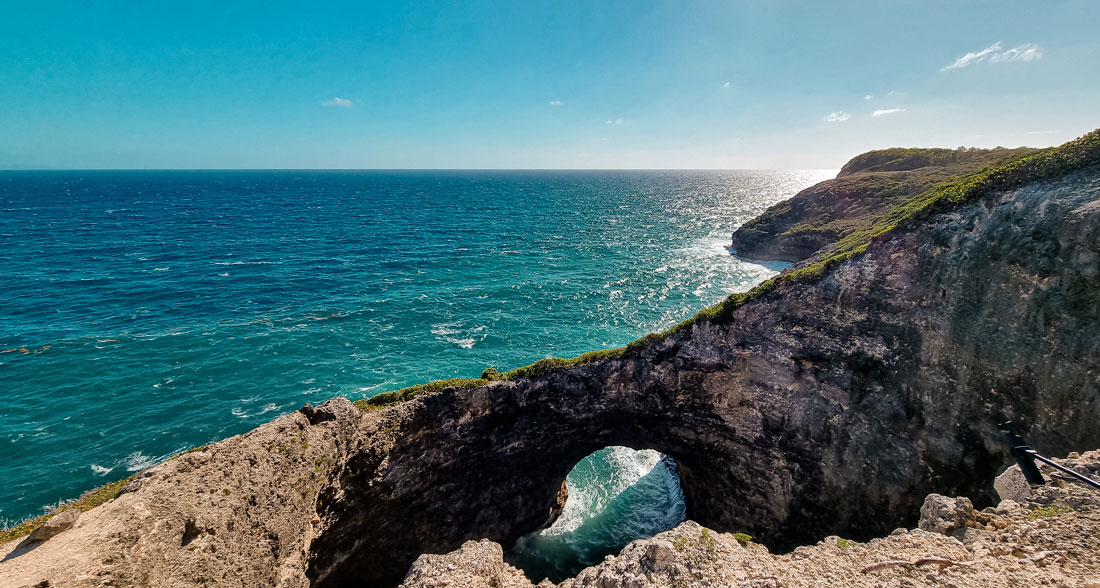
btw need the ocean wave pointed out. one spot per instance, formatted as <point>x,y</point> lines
<point>597,480</point>
<point>138,461</point>
<point>444,332</point>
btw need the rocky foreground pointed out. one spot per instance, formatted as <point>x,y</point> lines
<point>1040,536</point>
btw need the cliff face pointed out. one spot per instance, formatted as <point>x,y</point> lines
<point>1050,537</point>
<point>869,185</point>
<point>825,408</point>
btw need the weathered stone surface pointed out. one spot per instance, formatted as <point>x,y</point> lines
<point>1012,485</point>
<point>941,514</point>
<point>1024,550</point>
<point>870,184</point>
<point>476,563</point>
<point>63,521</point>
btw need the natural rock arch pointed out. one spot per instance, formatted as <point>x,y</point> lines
<point>832,408</point>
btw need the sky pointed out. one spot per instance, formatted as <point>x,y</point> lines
<point>536,84</point>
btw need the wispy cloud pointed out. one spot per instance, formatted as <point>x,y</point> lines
<point>617,121</point>
<point>837,116</point>
<point>868,97</point>
<point>887,111</point>
<point>556,103</point>
<point>1043,132</point>
<point>726,85</point>
<point>337,101</point>
<point>996,54</point>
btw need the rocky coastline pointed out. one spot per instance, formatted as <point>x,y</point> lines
<point>828,407</point>
<point>1042,535</point>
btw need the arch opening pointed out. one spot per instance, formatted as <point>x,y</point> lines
<point>616,495</point>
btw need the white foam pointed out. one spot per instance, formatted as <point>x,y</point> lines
<point>137,461</point>
<point>586,499</point>
<point>100,470</point>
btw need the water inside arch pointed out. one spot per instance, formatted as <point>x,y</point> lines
<point>616,495</point>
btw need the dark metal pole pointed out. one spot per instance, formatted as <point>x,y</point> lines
<point>1025,456</point>
<point>1080,477</point>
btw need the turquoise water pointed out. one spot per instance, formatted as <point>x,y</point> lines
<point>148,312</point>
<point>616,495</point>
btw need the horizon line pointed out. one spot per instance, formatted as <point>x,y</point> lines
<point>401,169</point>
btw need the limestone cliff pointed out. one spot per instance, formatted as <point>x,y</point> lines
<point>869,185</point>
<point>829,403</point>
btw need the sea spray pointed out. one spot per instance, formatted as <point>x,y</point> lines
<point>616,495</point>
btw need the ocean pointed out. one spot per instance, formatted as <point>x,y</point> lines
<point>146,312</point>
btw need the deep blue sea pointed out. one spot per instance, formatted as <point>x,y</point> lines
<point>148,312</point>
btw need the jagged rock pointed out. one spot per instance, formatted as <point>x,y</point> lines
<point>1012,485</point>
<point>870,184</point>
<point>62,521</point>
<point>1060,549</point>
<point>943,515</point>
<point>477,564</point>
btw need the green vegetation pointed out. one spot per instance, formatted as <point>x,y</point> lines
<point>905,159</point>
<point>829,211</point>
<point>1049,511</point>
<point>708,541</point>
<point>86,502</point>
<point>1044,164</point>
<point>743,538</point>
<point>845,543</point>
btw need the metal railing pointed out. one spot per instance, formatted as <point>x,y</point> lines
<point>1026,456</point>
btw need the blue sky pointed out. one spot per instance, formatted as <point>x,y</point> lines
<point>534,84</point>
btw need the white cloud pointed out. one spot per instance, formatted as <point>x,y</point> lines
<point>996,54</point>
<point>337,101</point>
<point>837,116</point>
<point>896,93</point>
<point>887,111</point>
<point>617,121</point>
<point>726,85</point>
<point>868,97</point>
<point>556,103</point>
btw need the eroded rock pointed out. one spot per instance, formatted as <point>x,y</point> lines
<point>62,521</point>
<point>941,514</point>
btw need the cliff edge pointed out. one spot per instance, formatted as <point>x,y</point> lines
<point>867,187</point>
<point>828,401</point>
<point>1046,535</point>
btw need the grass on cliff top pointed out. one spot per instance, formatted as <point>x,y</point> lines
<point>869,186</point>
<point>909,158</point>
<point>1050,163</point>
<point>86,502</point>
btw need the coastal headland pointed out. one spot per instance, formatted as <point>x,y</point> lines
<point>826,402</point>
